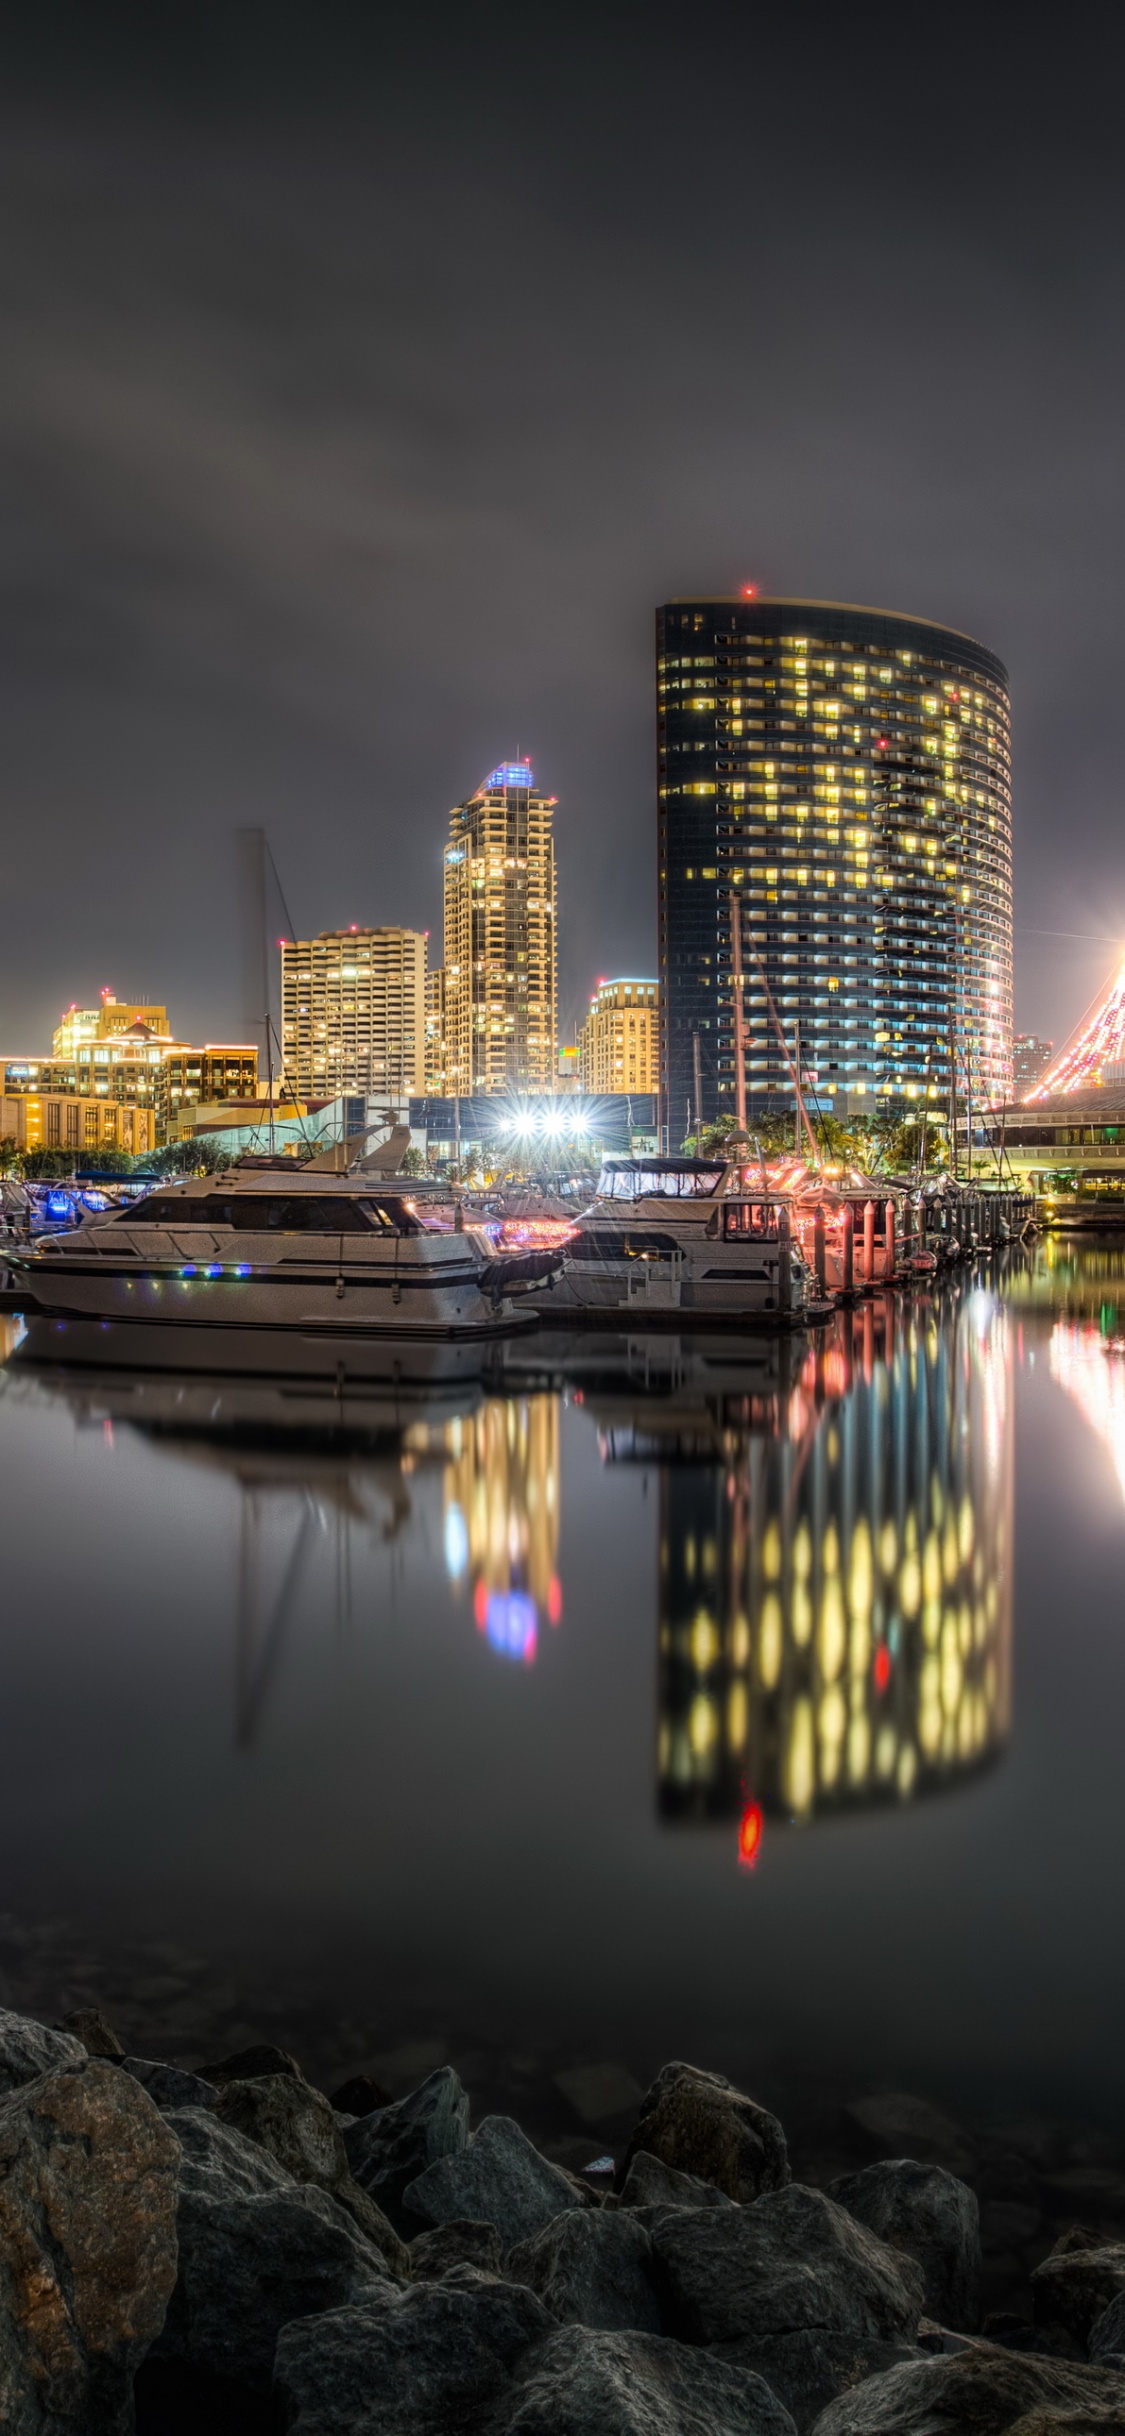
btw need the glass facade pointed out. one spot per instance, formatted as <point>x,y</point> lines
<point>841,777</point>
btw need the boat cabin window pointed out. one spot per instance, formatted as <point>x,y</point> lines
<point>271,1213</point>
<point>749,1218</point>
<point>638,1179</point>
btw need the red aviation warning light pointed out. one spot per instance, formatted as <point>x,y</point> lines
<point>750,1835</point>
<point>749,592</point>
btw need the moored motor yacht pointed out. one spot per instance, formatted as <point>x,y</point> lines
<point>680,1235</point>
<point>272,1246</point>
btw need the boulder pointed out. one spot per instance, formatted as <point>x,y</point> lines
<point>250,2263</point>
<point>592,2268</point>
<point>87,2247</point>
<point>649,2183</point>
<point>388,2149</point>
<point>167,2086</point>
<point>590,2383</point>
<point>980,2391</point>
<point>806,2370</point>
<point>250,2064</point>
<point>464,2243</point>
<point>1107,2334</point>
<point>28,2048</point>
<point>934,2218</point>
<point>292,2121</point>
<point>794,2261</point>
<point>427,2361</point>
<point>218,2162</point>
<point>498,2177</point>
<point>96,2034</point>
<point>299,2129</point>
<point>898,2125</point>
<point>1072,2287</point>
<point>703,2126</point>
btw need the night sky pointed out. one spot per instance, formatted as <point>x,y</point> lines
<point>368,377</point>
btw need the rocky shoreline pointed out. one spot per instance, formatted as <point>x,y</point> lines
<point>230,2247</point>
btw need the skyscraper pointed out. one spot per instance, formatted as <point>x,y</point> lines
<point>353,1013</point>
<point>500,987</point>
<point>835,814</point>
<point>619,1044</point>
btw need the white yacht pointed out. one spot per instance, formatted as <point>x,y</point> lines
<point>267,1246</point>
<point>682,1236</point>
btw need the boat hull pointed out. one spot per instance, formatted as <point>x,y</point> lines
<point>408,1305</point>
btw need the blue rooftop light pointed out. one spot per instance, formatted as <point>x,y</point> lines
<point>511,774</point>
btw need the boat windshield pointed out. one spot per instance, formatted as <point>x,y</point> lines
<point>657,1180</point>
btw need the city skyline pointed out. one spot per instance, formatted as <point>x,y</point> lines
<point>286,546</point>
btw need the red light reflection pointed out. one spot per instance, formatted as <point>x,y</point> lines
<point>749,1835</point>
<point>882,1668</point>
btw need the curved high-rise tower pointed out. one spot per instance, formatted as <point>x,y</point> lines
<point>836,782</point>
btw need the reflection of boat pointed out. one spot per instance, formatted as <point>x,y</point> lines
<point>674,1236</point>
<point>269,1247</point>
<point>835,1599</point>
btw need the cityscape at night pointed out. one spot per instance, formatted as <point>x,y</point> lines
<point>562,1224</point>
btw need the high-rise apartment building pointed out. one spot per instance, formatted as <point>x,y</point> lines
<point>1030,1060</point>
<point>500,980</point>
<point>353,1013</point>
<point>835,814</point>
<point>619,1044</point>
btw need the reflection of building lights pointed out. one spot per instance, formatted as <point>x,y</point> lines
<point>501,1522</point>
<point>508,1621</point>
<point>456,1541</point>
<point>853,1641</point>
<point>749,1835</point>
<point>1095,1380</point>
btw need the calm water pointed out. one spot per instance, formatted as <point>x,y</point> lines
<point>764,1703</point>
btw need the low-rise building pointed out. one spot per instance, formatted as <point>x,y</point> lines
<point>80,1026</point>
<point>58,1120</point>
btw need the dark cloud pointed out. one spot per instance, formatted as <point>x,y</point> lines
<point>365,384</point>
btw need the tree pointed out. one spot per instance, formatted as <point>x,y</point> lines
<point>9,1155</point>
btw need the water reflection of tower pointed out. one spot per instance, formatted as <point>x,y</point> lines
<point>502,1518</point>
<point>835,1599</point>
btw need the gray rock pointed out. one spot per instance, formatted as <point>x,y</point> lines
<point>649,2183</point>
<point>167,2086</point>
<point>292,2121</point>
<point>249,2264</point>
<point>299,2129</point>
<point>218,2162</point>
<point>590,2383</point>
<point>701,2125</point>
<point>898,2125</point>
<point>807,2370</point>
<point>428,2361</point>
<point>934,2218</point>
<point>28,2048</point>
<point>250,2064</point>
<point>1072,2288</point>
<point>392,2147</point>
<point>982,2391</point>
<point>498,2177</point>
<point>794,2261</point>
<point>97,2035</point>
<point>1107,2334</point>
<point>592,2269</point>
<point>87,2248</point>
<point>465,2242</point>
